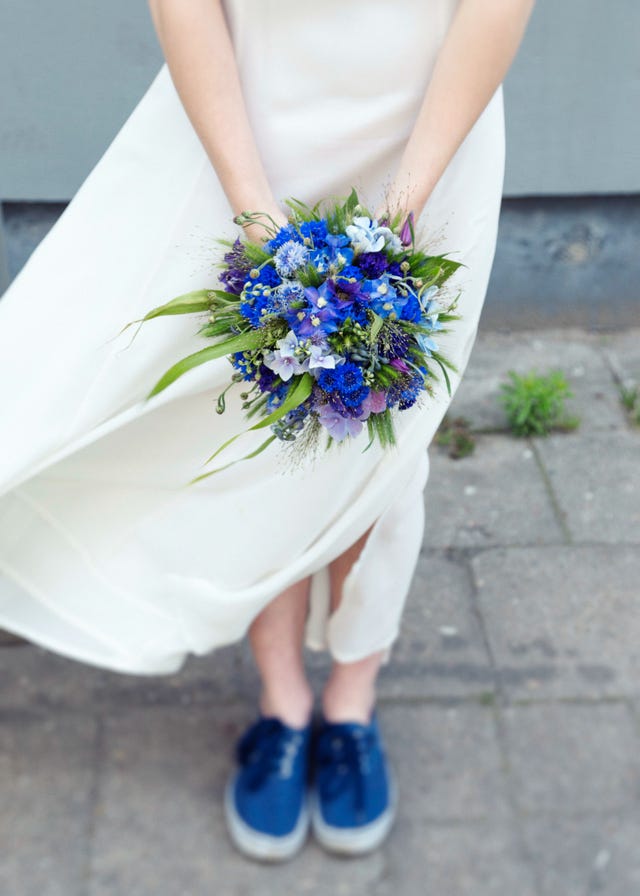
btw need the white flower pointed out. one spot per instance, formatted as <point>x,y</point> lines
<point>368,236</point>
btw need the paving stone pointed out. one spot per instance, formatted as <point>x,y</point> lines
<point>47,772</point>
<point>562,621</point>
<point>160,825</point>
<point>8,639</point>
<point>35,677</point>
<point>496,495</point>
<point>571,757</point>
<point>440,651</point>
<point>622,350</point>
<point>455,860</point>
<point>447,760</point>
<point>596,482</point>
<point>576,352</point>
<point>586,855</point>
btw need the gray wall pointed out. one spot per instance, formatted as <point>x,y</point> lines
<point>70,73</point>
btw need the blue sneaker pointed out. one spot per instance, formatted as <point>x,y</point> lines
<point>354,792</point>
<point>266,799</point>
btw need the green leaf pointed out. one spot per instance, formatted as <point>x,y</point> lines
<point>298,392</point>
<point>371,433</point>
<point>375,327</point>
<point>189,303</point>
<point>444,370</point>
<point>257,451</point>
<point>241,342</point>
<point>224,296</point>
<point>352,201</point>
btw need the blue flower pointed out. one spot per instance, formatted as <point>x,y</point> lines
<point>276,396</point>
<point>383,297</point>
<point>315,230</point>
<point>320,315</point>
<point>411,310</point>
<point>290,257</point>
<point>255,307</point>
<point>350,272</point>
<point>267,276</point>
<point>347,379</point>
<point>288,232</point>
<point>240,361</point>
<point>405,391</point>
<point>265,378</point>
<point>427,345</point>
<point>288,293</point>
<point>335,252</point>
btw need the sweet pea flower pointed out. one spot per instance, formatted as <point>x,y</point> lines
<point>405,232</point>
<point>399,364</point>
<point>337,426</point>
<point>374,403</point>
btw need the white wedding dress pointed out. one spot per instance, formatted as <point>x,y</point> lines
<point>105,555</point>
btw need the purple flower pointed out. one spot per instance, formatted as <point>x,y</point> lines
<point>338,426</point>
<point>399,364</point>
<point>238,267</point>
<point>374,403</point>
<point>405,232</point>
<point>372,264</point>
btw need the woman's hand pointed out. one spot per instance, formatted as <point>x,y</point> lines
<point>395,202</point>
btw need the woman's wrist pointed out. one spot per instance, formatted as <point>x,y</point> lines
<point>259,220</point>
<point>394,203</point>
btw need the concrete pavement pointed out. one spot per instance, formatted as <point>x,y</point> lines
<point>511,706</point>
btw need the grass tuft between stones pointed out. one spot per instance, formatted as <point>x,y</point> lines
<point>534,403</point>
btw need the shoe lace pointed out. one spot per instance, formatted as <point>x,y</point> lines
<point>267,748</point>
<point>342,759</point>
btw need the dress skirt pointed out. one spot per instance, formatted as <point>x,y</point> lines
<point>105,556</point>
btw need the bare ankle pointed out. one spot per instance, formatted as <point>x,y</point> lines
<point>293,708</point>
<point>339,705</point>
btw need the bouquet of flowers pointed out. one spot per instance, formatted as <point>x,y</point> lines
<point>330,322</point>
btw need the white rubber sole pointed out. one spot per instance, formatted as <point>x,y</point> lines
<point>354,841</point>
<point>262,846</point>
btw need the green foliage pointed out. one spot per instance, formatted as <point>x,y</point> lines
<point>534,402</point>
<point>630,398</point>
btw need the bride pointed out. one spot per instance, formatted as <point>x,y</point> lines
<point>106,560</point>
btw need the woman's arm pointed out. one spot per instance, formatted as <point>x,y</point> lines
<point>473,60</point>
<point>199,53</point>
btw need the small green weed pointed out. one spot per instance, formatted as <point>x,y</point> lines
<point>534,402</point>
<point>630,398</point>
<point>455,434</point>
